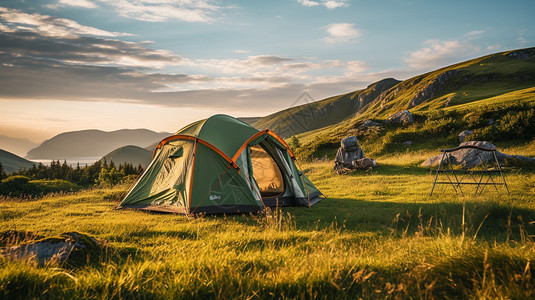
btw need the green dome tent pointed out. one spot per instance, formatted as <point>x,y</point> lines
<point>221,165</point>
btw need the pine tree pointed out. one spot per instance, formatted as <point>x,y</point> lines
<point>2,172</point>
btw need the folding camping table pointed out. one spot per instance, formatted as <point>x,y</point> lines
<point>481,177</point>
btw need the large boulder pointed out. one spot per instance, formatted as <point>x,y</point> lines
<point>403,117</point>
<point>468,158</point>
<point>70,247</point>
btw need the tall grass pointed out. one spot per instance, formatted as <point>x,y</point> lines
<point>376,235</point>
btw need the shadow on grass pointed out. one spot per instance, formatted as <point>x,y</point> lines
<point>484,220</point>
<point>387,169</point>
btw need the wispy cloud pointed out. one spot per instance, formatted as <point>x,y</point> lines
<point>14,20</point>
<point>437,53</point>
<point>165,10</point>
<point>330,4</point>
<point>79,3</point>
<point>45,38</point>
<point>474,33</point>
<point>341,33</point>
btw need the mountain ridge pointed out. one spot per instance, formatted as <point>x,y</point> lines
<point>93,143</point>
<point>464,82</point>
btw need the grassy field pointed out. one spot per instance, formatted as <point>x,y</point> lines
<point>377,235</point>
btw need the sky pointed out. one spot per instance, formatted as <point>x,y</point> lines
<point>70,65</point>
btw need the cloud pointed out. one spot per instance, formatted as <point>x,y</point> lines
<point>268,59</point>
<point>80,3</point>
<point>83,50</point>
<point>43,57</point>
<point>18,21</point>
<point>437,53</point>
<point>165,10</point>
<point>330,4</point>
<point>474,33</point>
<point>41,37</point>
<point>341,33</point>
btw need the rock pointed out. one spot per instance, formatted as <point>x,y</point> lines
<point>490,121</point>
<point>432,89</point>
<point>369,123</point>
<point>407,143</point>
<point>70,246</point>
<point>403,117</point>
<point>468,158</point>
<point>464,134</point>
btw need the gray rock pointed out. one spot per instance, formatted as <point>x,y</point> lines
<point>464,134</point>
<point>408,143</point>
<point>53,249</point>
<point>369,123</point>
<point>401,117</point>
<point>469,159</point>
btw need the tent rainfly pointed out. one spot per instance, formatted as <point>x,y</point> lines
<point>221,165</point>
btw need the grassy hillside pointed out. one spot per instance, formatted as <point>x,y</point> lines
<point>12,162</point>
<point>378,235</point>
<point>476,79</point>
<point>494,96</point>
<point>322,113</point>
<point>482,78</point>
<point>129,154</point>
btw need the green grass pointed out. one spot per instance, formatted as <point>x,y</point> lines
<point>376,235</point>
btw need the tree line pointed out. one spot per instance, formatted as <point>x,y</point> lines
<point>56,177</point>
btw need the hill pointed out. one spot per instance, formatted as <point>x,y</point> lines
<point>93,143</point>
<point>12,162</point>
<point>487,77</point>
<point>19,146</point>
<point>129,154</point>
<point>322,113</point>
<point>481,78</point>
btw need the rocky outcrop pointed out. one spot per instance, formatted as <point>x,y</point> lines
<point>469,158</point>
<point>522,53</point>
<point>403,117</point>
<point>69,247</point>
<point>432,89</point>
<point>373,91</point>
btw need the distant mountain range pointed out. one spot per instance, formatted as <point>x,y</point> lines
<point>12,162</point>
<point>19,146</point>
<point>481,78</point>
<point>93,143</point>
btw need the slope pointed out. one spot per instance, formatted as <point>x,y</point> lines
<point>12,162</point>
<point>487,77</point>
<point>493,96</point>
<point>322,113</point>
<point>465,82</point>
